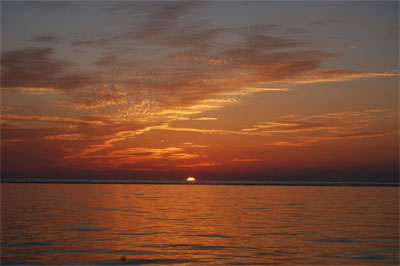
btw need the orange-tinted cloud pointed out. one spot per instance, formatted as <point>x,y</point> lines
<point>178,80</point>
<point>94,98</point>
<point>65,137</point>
<point>302,131</point>
<point>197,63</point>
<point>8,108</point>
<point>128,158</point>
<point>54,119</point>
<point>245,160</point>
<point>201,164</point>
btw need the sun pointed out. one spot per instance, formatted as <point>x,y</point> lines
<point>190,179</point>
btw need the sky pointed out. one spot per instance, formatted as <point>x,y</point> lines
<point>219,90</point>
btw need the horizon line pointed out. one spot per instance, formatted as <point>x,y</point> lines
<point>184,182</point>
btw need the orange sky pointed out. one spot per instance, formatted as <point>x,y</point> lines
<point>220,90</point>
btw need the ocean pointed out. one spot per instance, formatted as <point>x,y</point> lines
<point>183,224</point>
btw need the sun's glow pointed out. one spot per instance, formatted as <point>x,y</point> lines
<point>190,179</point>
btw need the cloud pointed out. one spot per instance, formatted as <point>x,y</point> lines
<point>295,143</point>
<point>8,124</point>
<point>261,42</point>
<point>205,118</point>
<point>45,38</point>
<point>30,65</point>
<point>192,145</point>
<point>30,150</point>
<point>54,119</point>
<point>93,41</point>
<point>291,67</point>
<point>357,135</point>
<point>192,37</point>
<point>8,108</point>
<point>206,131</point>
<point>161,19</point>
<point>301,141</point>
<point>18,139</point>
<point>185,63</point>
<point>126,158</point>
<point>306,130</point>
<point>94,98</point>
<point>334,75</point>
<point>209,60</point>
<point>326,19</point>
<point>84,143</point>
<point>50,5</point>
<point>65,137</point>
<point>165,17</point>
<point>145,153</point>
<point>106,60</point>
<point>288,126</point>
<point>255,64</point>
<point>244,160</point>
<point>195,165</point>
<point>250,90</point>
<point>154,111</point>
<point>34,69</point>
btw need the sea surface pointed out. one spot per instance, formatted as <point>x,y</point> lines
<point>155,224</point>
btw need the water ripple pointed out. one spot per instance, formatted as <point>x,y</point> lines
<point>371,258</point>
<point>215,236</point>
<point>28,244</point>
<point>338,240</point>
<point>145,261</point>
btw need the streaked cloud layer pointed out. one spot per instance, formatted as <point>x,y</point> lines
<point>165,89</point>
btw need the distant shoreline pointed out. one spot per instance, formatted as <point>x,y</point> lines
<point>226,183</point>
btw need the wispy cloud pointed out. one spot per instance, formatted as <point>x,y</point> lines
<point>205,118</point>
<point>50,5</point>
<point>196,67</point>
<point>34,69</point>
<point>306,130</point>
<point>123,158</point>
<point>93,41</point>
<point>8,124</point>
<point>94,98</point>
<point>164,18</point>
<point>192,145</point>
<point>8,108</point>
<point>294,143</point>
<point>45,38</point>
<point>244,160</point>
<point>196,63</point>
<point>54,119</point>
<point>195,165</point>
<point>167,127</point>
<point>310,140</point>
<point>65,137</point>
<point>287,126</point>
<point>106,60</point>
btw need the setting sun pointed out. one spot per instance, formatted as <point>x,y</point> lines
<point>190,179</point>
